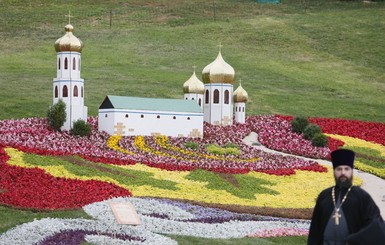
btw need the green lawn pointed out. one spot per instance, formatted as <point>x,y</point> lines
<point>316,58</point>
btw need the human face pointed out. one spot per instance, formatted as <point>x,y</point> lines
<point>343,175</point>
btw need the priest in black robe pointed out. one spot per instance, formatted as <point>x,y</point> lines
<point>345,214</point>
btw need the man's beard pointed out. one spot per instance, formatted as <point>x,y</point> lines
<point>345,182</point>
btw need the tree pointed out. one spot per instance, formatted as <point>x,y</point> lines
<point>56,115</point>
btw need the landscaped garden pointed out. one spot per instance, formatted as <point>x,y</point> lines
<point>322,59</point>
<point>177,187</point>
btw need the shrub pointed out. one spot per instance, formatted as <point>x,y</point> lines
<point>56,115</point>
<point>299,123</point>
<point>216,149</point>
<point>231,145</point>
<point>191,145</point>
<point>311,130</point>
<point>320,140</point>
<point>81,128</point>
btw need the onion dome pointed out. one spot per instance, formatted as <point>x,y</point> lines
<point>193,85</point>
<point>240,95</point>
<point>218,71</point>
<point>68,42</point>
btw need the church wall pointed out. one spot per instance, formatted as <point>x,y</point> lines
<point>221,113</point>
<point>240,112</point>
<point>195,97</point>
<point>73,59</point>
<point>135,122</point>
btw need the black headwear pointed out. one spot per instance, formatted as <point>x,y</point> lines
<point>342,157</point>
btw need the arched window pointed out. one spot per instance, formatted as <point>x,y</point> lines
<point>56,92</point>
<point>236,109</point>
<point>79,65</point>
<point>74,64</point>
<point>82,92</point>
<point>243,109</point>
<point>207,97</point>
<point>216,96</point>
<point>66,63</point>
<point>76,94</point>
<point>65,91</point>
<point>58,64</point>
<point>227,96</point>
<point>200,102</point>
<point>126,115</point>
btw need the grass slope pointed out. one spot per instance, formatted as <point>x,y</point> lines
<point>319,59</point>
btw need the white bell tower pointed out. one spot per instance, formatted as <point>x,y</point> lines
<point>68,85</point>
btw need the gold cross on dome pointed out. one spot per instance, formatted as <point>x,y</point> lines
<point>220,46</point>
<point>194,66</point>
<point>69,16</point>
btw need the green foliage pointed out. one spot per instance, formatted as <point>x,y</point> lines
<point>217,150</point>
<point>81,128</point>
<point>56,115</point>
<point>311,130</point>
<point>320,140</point>
<point>81,167</point>
<point>231,145</point>
<point>239,185</point>
<point>191,145</point>
<point>299,123</point>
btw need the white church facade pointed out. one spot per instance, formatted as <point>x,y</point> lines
<point>129,116</point>
<point>213,101</point>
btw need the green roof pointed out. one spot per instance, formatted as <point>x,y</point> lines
<point>150,104</point>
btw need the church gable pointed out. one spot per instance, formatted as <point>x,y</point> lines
<point>106,104</point>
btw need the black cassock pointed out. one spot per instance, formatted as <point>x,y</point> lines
<point>363,217</point>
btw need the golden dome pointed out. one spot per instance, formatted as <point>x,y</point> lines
<point>193,85</point>
<point>218,71</point>
<point>68,42</point>
<point>240,95</point>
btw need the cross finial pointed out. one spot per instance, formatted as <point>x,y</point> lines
<point>220,46</point>
<point>194,66</point>
<point>69,16</point>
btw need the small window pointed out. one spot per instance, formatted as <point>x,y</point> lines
<point>56,92</point>
<point>243,109</point>
<point>188,118</point>
<point>200,102</point>
<point>207,97</point>
<point>236,109</point>
<point>174,117</point>
<point>58,64</point>
<point>82,92</point>
<point>126,115</point>
<point>65,63</point>
<point>141,116</point>
<point>76,94</point>
<point>65,91</point>
<point>74,64</point>
<point>216,96</point>
<point>158,116</point>
<point>186,98</point>
<point>227,97</point>
<point>106,115</point>
<point>192,99</point>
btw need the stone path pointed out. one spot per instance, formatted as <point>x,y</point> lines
<point>374,185</point>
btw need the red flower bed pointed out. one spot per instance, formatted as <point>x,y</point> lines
<point>33,188</point>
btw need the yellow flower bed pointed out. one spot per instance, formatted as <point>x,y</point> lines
<point>295,191</point>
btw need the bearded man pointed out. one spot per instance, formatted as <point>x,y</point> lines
<point>345,214</point>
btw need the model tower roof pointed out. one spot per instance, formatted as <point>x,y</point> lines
<point>218,71</point>
<point>240,95</point>
<point>193,85</point>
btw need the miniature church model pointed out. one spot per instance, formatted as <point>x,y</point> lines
<point>68,85</point>
<point>212,101</point>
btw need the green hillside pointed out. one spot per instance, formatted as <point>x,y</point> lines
<point>316,58</point>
